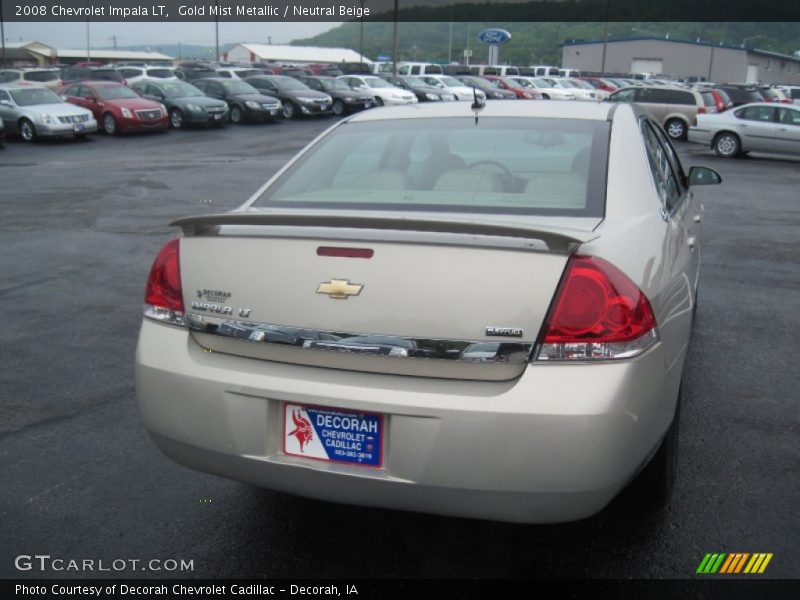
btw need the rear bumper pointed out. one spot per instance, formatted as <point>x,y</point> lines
<point>553,445</point>
<point>700,136</point>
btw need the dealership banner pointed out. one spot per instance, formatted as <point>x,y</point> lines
<point>405,10</point>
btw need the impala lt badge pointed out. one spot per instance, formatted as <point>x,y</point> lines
<point>504,331</point>
<point>339,288</point>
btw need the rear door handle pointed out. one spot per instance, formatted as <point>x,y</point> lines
<point>691,242</point>
<point>697,218</point>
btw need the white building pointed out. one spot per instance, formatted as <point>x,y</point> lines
<point>250,53</point>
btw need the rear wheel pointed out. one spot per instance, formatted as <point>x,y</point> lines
<point>109,124</point>
<point>727,145</point>
<point>26,130</point>
<point>338,108</point>
<point>176,118</point>
<point>676,129</point>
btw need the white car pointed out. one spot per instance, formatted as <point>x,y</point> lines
<point>580,92</point>
<point>547,90</point>
<point>48,78</point>
<point>385,93</point>
<point>757,127</point>
<point>132,74</point>
<point>454,86</point>
<point>432,310</point>
<point>238,72</point>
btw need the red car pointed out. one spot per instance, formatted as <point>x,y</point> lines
<point>117,108</point>
<point>511,86</point>
<point>600,84</point>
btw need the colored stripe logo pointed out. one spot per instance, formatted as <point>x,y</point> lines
<point>734,563</point>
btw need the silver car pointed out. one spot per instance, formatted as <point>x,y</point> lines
<point>33,111</point>
<point>472,311</point>
<point>757,127</point>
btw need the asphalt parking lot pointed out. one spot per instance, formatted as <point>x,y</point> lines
<point>81,224</point>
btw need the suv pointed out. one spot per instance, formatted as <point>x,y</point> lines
<point>740,94</point>
<point>92,74</point>
<point>676,109</point>
<point>44,77</point>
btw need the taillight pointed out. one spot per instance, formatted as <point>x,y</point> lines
<point>701,110</point>
<point>164,295</point>
<point>598,314</point>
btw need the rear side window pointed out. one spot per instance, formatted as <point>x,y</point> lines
<point>757,113</point>
<point>685,98</point>
<point>129,73</point>
<point>499,165</point>
<point>652,96</point>
<point>795,93</point>
<point>708,99</point>
<point>6,76</point>
<point>665,179</point>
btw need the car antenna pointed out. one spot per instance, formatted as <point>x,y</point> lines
<point>477,105</point>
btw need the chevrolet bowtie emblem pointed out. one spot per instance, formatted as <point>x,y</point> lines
<point>339,288</point>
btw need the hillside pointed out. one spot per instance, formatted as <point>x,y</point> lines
<point>537,43</point>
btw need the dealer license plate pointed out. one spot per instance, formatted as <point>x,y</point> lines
<point>333,435</point>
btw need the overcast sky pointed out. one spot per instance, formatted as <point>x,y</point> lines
<point>73,35</point>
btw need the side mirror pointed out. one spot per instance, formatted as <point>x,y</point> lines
<point>703,176</point>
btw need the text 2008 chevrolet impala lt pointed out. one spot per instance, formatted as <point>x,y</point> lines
<point>481,312</point>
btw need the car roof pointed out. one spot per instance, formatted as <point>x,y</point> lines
<point>555,110</point>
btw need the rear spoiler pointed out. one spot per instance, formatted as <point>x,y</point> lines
<point>557,239</point>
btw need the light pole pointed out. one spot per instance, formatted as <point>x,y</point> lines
<point>216,33</point>
<point>394,38</point>
<point>361,43</point>
<point>605,39</point>
<point>2,34</point>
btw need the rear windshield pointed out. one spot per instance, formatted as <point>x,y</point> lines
<point>160,73</point>
<point>708,98</point>
<point>499,165</point>
<point>6,76</point>
<point>41,76</point>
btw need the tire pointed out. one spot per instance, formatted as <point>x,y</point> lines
<point>338,108</point>
<point>26,130</point>
<point>110,124</point>
<point>176,118</point>
<point>237,115</point>
<point>727,145</point>
<point>378,101</point>
<point>676,129</point>
<point>545,97</point>
<point>289,110</point>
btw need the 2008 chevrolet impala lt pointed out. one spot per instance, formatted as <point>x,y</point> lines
<point>477,311</point>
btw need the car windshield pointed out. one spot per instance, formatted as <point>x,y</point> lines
<point>34,96</point>
<point>237,86</point>
<point>487,83</point>
<point>334,84</point>
<point>497,165</point>
<point>415,81</point>
<point>115,92</point>
<point>180,89</point>
<point>245,73</point>
<point>287,83</point>
<point>377,82</point>
<point>160,73</point>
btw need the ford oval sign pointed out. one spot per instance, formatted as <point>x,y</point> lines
<point>495,37</point>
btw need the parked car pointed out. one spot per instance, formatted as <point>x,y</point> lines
<point>383,92</point>
<point>186,104</point>
<point>761,127</point>
<point>521,92</point>
<point>297,98</point>
<point>544,71</point>
<point>238,73</point>
<point>36,112</point>
<point>345,100</point>
<point>195,73</point>
<point>499,70</point>
<point>564,231</point>
<point>676,109</point>
<point>600,83</point>
<point>582,89</point>
<point>75,74</point>
<point>417,68</point>
<point>423,91</point>
<point>246,103</point>
<point>49,78</point>
<point>133,74</point>
<point>740,94</point>
<point>116,107</point>
<point>793,91</point>
<point>2,133</point>
<point>547,90</point>
<point>492,89</point>
<point>454,86</point>
<point>769,94</point>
